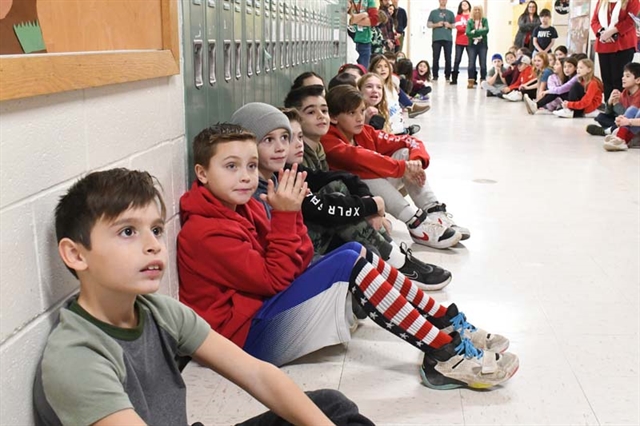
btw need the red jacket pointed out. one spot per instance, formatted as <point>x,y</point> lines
<point>461,30</point>
<point>627,99</point>
<point>592,97</point>
<point>370,158</point>
<point>523,77</point>
<point>626,28</point>
<point>229,261</point>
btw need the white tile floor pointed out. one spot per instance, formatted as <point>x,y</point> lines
<point>553,263</point>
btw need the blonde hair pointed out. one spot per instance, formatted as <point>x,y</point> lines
<point>382,106</point>
<point>479,7</point>
<point>589,64</point>
<point>388,82</point>
<point>545,64</point>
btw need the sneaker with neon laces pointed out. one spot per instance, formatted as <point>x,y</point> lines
<point>460,364</point>
<point>432,234</point>
<point>453,320</point>
<point>438,213</point>
<point>424,275</point>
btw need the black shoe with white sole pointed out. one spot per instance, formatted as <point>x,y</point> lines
<point>424,275</point>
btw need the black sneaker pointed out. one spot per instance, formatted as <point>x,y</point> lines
<point>460,364</point>
<point>424,275</point>
<point>413,129</point>
<point>490,94</point>
<point>595,130</point>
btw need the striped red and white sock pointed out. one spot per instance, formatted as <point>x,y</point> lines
<point>388,308</point>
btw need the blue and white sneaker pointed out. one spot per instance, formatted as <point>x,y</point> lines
<point>454,320</point>
<point>460,364</point>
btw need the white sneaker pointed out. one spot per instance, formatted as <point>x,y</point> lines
<point>431,234</point>
<point>614,143</point>
<point>513,96</point>
<point>544,111</point>
<point>439,214</point>
<point>563,113</point>
<point>592,114</point>
<point>610,137</point>
<point>532,107</point>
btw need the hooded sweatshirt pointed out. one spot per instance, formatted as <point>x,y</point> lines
<point>230,262</point>
<point>370,157</point>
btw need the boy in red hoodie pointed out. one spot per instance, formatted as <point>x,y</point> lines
<point>248,277</point>
<point>386,162</point>
<point>523,83</point>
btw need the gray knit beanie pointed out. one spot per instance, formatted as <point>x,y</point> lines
<point>261,119</point>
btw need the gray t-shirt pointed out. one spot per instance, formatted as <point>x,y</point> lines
<point>440,15</point>
<point>90,369</point>
<point>499,80</point>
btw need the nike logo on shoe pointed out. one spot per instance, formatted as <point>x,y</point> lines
<point>424,237</point>
<point>412,276</point>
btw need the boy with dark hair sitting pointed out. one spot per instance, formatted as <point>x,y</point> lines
<point>110,360</point>
<point>386,162</point>
<point>249,276</point>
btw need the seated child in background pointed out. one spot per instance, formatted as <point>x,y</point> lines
<point>111,357</point>
<point>526,80</point>
<point>356,70</point>
<point>544,35</point>
<point>386,163</point>
<point>560,52</point>
<point>342,78</point>
<point>421,79</point>
<point>628,127</point>
<point>511,72</point>
<point>495,81</point>
<point>585,96</point>
<point>308,78</point>
<point>404,100</point>
<point>404,69</point>
<point>558,86</point>
<point>552,60</point>
<point>542,70</point>
<point>619,102</point>
<point>248,276</point>
<point>310,120</point>
<point>372,89</point>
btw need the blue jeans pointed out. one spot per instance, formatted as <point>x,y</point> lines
<point>364,53</point>
<point>404,100</point>
<point>633,112</point>
<point>478,51</point>
<point>435,66</point>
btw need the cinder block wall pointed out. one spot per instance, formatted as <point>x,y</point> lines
<point>46,144</point>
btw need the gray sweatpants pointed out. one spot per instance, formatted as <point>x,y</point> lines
<point>496,90</point>
<point>395,203</point>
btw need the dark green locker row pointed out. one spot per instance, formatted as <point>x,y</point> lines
<point>240,51</point>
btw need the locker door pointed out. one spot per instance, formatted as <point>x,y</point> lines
<point>248,47</point>
<point>214,79</point>
<point>259,57</point>
<point>269,41</point>
<point>196,107</point>
<point>226,22</point>
<point>238,56</point>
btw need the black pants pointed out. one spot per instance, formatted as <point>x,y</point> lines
<point>550,98</point>
<point>424,90</point>
<point>460,49</point>
<point>575,94</point>
<point>340,410</point>
<point>612,67</point>
<point>606,120</point>
<point>477,51</point>
<point>437,46</point>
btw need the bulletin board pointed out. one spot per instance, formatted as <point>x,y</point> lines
<point>49,46</point>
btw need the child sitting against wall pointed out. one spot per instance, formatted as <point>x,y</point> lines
<point>390,79</point>
<point>585,96</point>
<point>249,276</point>
<point>421,79</point>
<point>386,163</point>
<point>619,102</point>
<point>111,357</point>
<point>558,86</point>
<point>526,81</point>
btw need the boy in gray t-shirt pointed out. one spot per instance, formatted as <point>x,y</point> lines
<point>111,357</point>
<point>441,21</point>
<point>495,81</point>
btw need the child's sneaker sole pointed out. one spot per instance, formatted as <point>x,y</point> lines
<point>432,287</point>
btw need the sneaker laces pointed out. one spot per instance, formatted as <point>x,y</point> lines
<point>460,323</point>
<point>440,208</point>
<point>468,349</point>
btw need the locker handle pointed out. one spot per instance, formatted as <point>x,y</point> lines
<point>212,62</point>
<point>267,57</point>
<point>282,54</point>
<point>227,60</point>
<point>249,59</point>
<point>258,56</point>
<point>237,58</point>
<point>197,63</point>
<point>287,53</point>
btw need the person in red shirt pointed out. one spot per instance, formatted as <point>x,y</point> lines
<point>462,41</point>
<point>387,162</point>
<point>526,81</point>
<point>249,277</point>
<point>616,39</point>
<point>585,96</point>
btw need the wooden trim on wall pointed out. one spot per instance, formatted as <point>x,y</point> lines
<point>23,76</point>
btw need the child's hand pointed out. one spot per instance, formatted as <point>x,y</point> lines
<point>414,172</point>
<point>380,203</point>
<point>369,112</point>
<point>505,90</point>
<point>621,120</point>
<point>376,222</point>
<point>565,104</point>
<point>614,98</point>
<point>291,190</point>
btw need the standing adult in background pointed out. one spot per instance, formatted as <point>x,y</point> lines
<point>402,22</point>
<point>477,30</point>
<point>363,16</point>
<point>616,39</point>
<point>441,20</point>
<point>462,41</point>
<point>526,24</point>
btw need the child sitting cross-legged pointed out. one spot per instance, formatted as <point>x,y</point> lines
<point>495,80</point>
<point>309,122</point>
<point>585,96</point>
<point>628,127</point>
<point>557,90</point>
<point>250,278</point>
<point>386,163</point>
<point>526,81</point>
<point>111,357</point>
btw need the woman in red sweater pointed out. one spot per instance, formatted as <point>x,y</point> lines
<point>616,39</point>
<point>462,41</point>
<point>585,96</point>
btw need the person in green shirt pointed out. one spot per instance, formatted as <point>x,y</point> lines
<point>441,20</point>
<point>363,15</point>
<point>477,29</point>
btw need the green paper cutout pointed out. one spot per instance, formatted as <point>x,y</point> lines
<point>30,36</point>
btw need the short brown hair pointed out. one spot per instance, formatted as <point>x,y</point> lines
<point>343,98</point>
<point>206,142</point>
<point>292,114</point>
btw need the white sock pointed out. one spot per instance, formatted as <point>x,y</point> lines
<point>396,257</point>
<point>607,131</point>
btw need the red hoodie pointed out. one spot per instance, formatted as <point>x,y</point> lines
<point>592,97</point>
<point>229,261</point>
<point>370,157</point>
